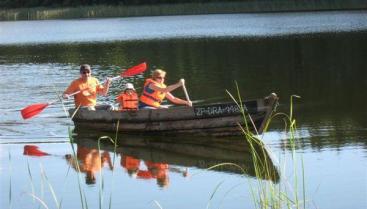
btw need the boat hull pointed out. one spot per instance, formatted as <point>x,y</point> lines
<point>220,119</point>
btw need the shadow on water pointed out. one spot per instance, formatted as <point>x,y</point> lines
<point>186,152</point>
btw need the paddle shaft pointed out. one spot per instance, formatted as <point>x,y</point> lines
<point>185,91</point>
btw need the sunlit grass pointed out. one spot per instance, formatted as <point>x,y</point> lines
<point>266,191</point>
<point>269,194</point>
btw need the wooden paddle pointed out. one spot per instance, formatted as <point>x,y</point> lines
<point>34,109</point>
<point>33,150</point>
<point>185,91</point>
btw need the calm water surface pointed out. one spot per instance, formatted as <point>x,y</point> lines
<point>319,56</point>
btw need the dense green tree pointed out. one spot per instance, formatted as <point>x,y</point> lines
<point>66,3</point>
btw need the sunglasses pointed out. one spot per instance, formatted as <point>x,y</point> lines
<point>86,72</point>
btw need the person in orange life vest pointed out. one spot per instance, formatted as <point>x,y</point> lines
<point>89,87</point>
<point>128,100</point>
<point>89,161</point>
<point>158,171</point>
<point>131,165</point>
<point>155,91</point>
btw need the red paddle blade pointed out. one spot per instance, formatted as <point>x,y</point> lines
<point>33,110</point>
<point>32,150</point>
<point>135,70</point>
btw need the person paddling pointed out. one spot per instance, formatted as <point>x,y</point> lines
<point>88,86</point>
<point>155,91</point>
<point>128,100</point>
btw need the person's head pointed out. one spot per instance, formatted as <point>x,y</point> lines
<point>133,172</point>
<point>163,181</point>
<point>129,87</point>
<point>90,178</point>
<point>159,75</point>
<point>85,71</point>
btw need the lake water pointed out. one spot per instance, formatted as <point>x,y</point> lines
<point>320,56</point>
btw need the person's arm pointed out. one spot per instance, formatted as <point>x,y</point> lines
<point>106,158</point>
<point>176,100</point>
<point>71,89</point>
<point>168,88</point>
<point>106,87</point>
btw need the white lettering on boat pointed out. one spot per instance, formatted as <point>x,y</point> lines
<point>216,110</point>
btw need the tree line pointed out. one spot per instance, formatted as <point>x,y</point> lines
<point>75,3</point>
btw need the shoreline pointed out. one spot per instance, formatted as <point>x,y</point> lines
<point>108,11</point>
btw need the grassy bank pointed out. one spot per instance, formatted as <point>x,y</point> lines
<point>42,13</point>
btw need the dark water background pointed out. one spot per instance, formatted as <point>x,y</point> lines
<point>324,62</point>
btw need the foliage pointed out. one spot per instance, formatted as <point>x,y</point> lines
<point>73,3</point>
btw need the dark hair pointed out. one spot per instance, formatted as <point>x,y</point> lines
<point>90,178</point>
<point>84,67</point>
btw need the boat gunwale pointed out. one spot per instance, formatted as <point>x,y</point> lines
<point>130,116</point>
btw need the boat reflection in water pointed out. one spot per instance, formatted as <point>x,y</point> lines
<point>154,157</point>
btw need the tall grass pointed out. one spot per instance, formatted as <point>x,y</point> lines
<point>42,13</point>
<point>101,176</point>
<point>269,194</point>
<point>10,196</point>
<point>83,199</point>
<point>101,183</point>
<point>82,194</point>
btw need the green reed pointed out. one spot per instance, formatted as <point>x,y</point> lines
<point>39,198</point>
<point>101,176</point>
<point>101,183</point>
<point>43,13</point>
<point>83,199</point>
<point>82,194</point>
<point>51,189</point>
<point>269,194</point>
<point>10,196</point>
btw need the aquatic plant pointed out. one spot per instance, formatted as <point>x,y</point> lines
<point>10,184</point>
<point>269,194</point>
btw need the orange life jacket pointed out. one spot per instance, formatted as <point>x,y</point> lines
<point>128,101</point>
<point>151,97</point>
<point>130,163</point>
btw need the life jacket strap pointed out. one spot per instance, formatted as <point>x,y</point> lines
<point>152,98</point>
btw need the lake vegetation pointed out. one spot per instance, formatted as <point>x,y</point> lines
<point>70,9</point>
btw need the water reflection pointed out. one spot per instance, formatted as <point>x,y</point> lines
<point>147,170</point>
<point>160,155</point>
<point>90,162</point>
<point>154,158</point>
